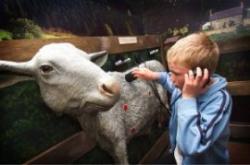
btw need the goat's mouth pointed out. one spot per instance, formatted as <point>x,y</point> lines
<point>90,107</point>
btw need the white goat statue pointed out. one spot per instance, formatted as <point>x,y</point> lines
<point>107,107</point>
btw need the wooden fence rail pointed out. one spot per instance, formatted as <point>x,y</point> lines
<point>22,50</point>
<point>239,88</point>
<point>66,151</point>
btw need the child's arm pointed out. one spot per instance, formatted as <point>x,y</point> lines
<point>146,74</point>
<point>199,129</point>
<point>162,77</point>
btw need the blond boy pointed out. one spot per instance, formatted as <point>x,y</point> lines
<point>200,104</point>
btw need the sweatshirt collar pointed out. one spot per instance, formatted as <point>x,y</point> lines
<point>219,83</point>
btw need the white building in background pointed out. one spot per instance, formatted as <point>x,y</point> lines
<point>227,20</point>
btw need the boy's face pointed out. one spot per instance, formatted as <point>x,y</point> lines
<point>177,74</point>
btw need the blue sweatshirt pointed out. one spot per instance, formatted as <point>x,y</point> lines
<point>200,126</point>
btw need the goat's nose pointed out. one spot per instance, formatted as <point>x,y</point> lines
<point>110,88</point>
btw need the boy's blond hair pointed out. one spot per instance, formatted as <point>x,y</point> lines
<point>193,51</point>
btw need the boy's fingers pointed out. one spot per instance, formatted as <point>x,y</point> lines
<point>198,76</point>
<point>205,76</point>
<point>199,72</point>
<point>140,72</point>
<point>186,77</point>
<point>191,74</point>
<point>144,73</point>
<point>136,70</point>
<point>144,69</point>
<point>137,73</point>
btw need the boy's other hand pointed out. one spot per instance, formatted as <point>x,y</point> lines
<point>146,74</point>
<point>195,85</point>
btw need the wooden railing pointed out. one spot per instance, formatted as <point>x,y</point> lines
<point>22,50</point>
<point>66,151</point>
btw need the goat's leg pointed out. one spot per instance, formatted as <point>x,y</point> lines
<point>120,152</point>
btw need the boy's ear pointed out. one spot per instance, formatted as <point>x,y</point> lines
<point>9,80</point>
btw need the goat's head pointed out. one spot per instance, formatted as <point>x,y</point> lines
<point>69,80</point>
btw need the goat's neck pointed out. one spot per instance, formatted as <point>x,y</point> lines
<point>89,123</point>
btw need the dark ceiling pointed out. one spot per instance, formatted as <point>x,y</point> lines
<point>113,17</point>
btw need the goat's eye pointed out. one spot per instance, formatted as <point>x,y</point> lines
<point>46,68</point>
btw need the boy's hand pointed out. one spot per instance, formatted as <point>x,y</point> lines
<point>195,85</point>
<point>146,74</point>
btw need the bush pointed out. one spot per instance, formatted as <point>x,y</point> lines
<point>24,28</point>
<point>5,35</point>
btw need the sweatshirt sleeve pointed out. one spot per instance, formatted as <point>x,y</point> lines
<point>166,82</point>
<point>198,130</point>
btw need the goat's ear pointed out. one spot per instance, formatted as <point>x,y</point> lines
<point>8,80</point>
<point>99,58</point>
<point>14,72</point>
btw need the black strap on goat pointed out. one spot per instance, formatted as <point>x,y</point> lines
<point>156,93</point>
